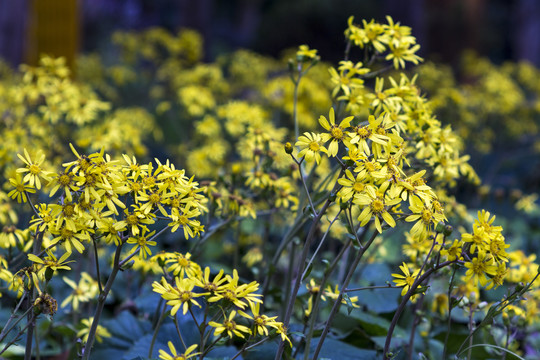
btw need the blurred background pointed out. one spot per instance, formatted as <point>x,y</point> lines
<point>499,29</point>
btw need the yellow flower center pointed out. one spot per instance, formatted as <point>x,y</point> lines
<point>427,215</point>
<point>183,262</point>
<point>154,198</point>
<point>64,180</point>
<point>34,169</point>
<point>185,296</point>
<point>363,132</point>
<point>377,205</point>
<point>183,220</point>
<point>314,146</point>
<point>66,234</point>
<point>68,210</point>
<point>337,133</point>
<point>149,181</point>
<point>229,325</point>
<point>132,219</point>
<point>358,187</point>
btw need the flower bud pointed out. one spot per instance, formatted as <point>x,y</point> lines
<point>288,148</point>
<point>440,227</point>
<point>448,230</point>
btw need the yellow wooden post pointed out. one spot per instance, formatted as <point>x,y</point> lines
<point>53,30</point>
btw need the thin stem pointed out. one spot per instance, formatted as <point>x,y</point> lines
<point>300,269</point>
<point>343,285</point>
<point>388,286</point>
<point>101,302</point>
<point>299,163</point>
<point>450,308</point>
<point>471,331</point>
<point>156,330</point>
<point>244,348</point>
<point>320,245</point>
<point>96,257</point>
<point>6,329</point>
<point>416,321</point>
<point>15,338</point>
<point>288,280</point>
<point>175,320</point>
<point>404,301</point>
<point>315,309</point>
<point>38,357</point>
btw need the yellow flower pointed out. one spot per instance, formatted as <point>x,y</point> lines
<point>101,331</point>
<point>406,280</point>
<point>142,241</point>
<point>163,355</point>
<point>230,327</point>
<point>84,291</point>
<point>336,133</point>
<point>50,261</point>
<point>182,266</point>
<point>478,268</point>
<point>376,205</point>
<point>20,189</point>
<point>181,295</point>
<point>33,169</point>
<point>311,145</point>
<point>304,53</point>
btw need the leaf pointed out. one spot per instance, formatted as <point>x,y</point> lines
<point>339,350</point>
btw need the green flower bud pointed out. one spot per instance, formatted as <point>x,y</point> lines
<point>288,148</point>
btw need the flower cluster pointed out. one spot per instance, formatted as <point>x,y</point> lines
<point>226,300</point>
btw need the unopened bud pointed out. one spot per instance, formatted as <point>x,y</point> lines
<point>448,230</point>
<point>440,227</point>
<point>288,148</point>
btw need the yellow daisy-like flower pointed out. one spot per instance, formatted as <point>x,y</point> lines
<point>406,280</point>
<point>33,169</point>
<point>336,133</point>
<point>101,331</point>
<point>311,146</point>
<point>230,327</point>
<point>20,189</point>
<point>479,267</point>
<point>376,205</point>
<point>163,355</point>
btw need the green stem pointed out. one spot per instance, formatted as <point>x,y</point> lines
<point>158,326</point>
<point>404,301</point>
<point>343,285</point>
<point>315,310</point>
<point>101,302</point>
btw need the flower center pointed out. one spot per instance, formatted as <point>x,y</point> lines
<point>314,146</point>
<point>64,180</point>
<point>363,132</point>
<point>377,205</point>
<point>358,187</point>
<point>337,133</point>
<point>34,169</point>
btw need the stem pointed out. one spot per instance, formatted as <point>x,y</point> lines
<point>403,303</point>
<point>6,329</point>
<point>175,320</point>
<point>343,285</point>
<point>101,302</point>
<point>471,331</point>
<point>300,269</point>
<point>417,307</point>
<point>315,310</point>
<point>158,325</point>
<point>288,281</point>
<point>97,265</point>
<point>244,348</point>
<point>450,308</point>
<point>320,244</point>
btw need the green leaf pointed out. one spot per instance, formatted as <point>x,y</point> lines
<point>339,350</point>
